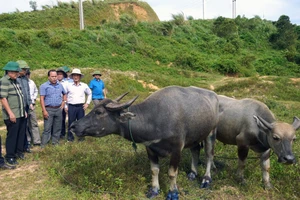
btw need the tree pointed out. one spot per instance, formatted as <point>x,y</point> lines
<point>225,28</point>
<point>285,37</point>
<point>33,5</point>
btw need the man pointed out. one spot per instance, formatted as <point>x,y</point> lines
<point>33,132</point>
<point>98,88</point>
<point>23,80</point>
<point>62,78</point>
<point>13,111</point>
<point>52,99</point>
<point>3,165</point>
<point>77,101</point>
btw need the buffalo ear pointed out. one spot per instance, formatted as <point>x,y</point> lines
<point>125,116</point>
<point>296,123</point>
<point>261,123</point>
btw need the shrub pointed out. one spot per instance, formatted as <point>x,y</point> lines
<point>56,42</point>
<point>24,38</point>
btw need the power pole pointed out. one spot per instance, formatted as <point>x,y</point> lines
<point>203,9</point>
<point>81,20</point>
<point>233,9</point>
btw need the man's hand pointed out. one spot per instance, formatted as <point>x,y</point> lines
<point>85,106</point>
<point>45,114</point>
<point>12,118</point>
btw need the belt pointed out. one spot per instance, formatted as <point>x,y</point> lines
<point>97,99</point>
<point>76,105</point>
<point>52,106</point>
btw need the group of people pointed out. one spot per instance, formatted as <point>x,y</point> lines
<point>62,96</point>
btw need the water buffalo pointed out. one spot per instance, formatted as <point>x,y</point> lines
<point>168,120</point>
<point>249,123</point>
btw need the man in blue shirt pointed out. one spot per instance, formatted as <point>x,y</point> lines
<point>98,88</point>
<point>52,99</point>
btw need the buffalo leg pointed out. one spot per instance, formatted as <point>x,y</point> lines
<point>195,151</point>
<point>242,154</point>
<point>209,153</point>
<point>173,172</point>
<point>154,190</point>
<point>265,167</point>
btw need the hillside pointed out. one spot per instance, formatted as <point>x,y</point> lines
<point>132,38</point>
<point>66,15</point>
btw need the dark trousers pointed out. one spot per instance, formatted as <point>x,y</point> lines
<point>1,157</point>
<point>75,112</point>
<point>63,125</point>
<point>26,143</point>
<point>15,137</point>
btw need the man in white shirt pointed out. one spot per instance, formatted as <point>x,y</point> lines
<point>32,132</point>
<point>79,96</point>
<point>62,78</point>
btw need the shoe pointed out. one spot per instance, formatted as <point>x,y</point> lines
<point>28,150</point>
<point>21,156</point>
<point>12,161</point>
<point>6,166</point>
<point>36,145</point>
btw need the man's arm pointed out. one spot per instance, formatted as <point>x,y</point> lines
<point>11,115</point>
<point>42,102</point>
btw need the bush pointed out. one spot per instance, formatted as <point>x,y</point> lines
<point>24,38</point>
<point>226,66</point>
<point>56,42</point>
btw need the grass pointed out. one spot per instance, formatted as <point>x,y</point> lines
<point>109,168</point>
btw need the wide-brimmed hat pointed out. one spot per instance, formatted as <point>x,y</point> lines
<point>12,66</point>
<point>61,69</point>
<point>66,68</point>
<point>76,71</point>
<point>96,73</point>
<point>23,64</point>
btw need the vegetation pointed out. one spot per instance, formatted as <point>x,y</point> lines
<point>246,60</point>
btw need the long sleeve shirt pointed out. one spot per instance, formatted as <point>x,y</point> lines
<point>23,80</point>
<point>76,94</point>
<point>33,91</point>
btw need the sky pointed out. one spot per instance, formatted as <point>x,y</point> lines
<point>265,9</point>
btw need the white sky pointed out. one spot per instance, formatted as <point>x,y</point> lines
<point>266,9</point>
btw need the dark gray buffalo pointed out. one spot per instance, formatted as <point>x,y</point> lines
<point>169,120</point>
<point>248,123</point>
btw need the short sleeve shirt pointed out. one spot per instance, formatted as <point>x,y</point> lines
<point>12,91</point>
<point>52,93</point>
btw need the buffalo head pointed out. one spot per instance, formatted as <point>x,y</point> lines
<point>103,119</point>
<point>280,137</point>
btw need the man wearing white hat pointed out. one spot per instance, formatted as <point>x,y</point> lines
<point>79,96</point>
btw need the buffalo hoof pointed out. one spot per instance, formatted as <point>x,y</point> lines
<point>152,192</point>
<point>192,176</point>
<point>268,186</point>
<point>173,195</point>
<point>205,182</point>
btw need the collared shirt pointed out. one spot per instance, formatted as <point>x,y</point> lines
<point>11,90</point>
<point>97,86</point>
<point>52,93</point>
<point>33,91</point>
<point>23,80</point>
<point>76,94</point>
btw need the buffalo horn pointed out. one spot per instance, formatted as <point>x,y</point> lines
<point>121,97</point>
<point>120,106</point>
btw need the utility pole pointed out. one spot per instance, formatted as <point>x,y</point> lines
<point>233,9</point>
<point>81,20</point>
<point>203,9</point>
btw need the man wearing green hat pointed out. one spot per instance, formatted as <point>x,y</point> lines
<point>24,82</point>
<point>98,88</point>
<point>13,111</point>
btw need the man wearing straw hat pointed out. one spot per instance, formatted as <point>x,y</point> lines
<point>98,88</point>
<point>79,97</point>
